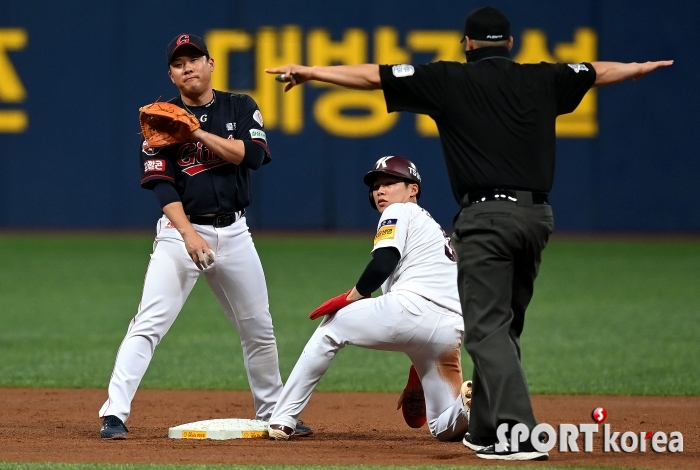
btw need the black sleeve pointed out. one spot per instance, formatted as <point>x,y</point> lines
<point>384,262</point>
<point>417,89</point>
<point>165,193</point>
<point>250,131</point>
<point>572,82</point>
<point>156,166</point>
<point>254,154</point>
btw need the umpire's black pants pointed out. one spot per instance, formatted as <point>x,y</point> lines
<point>499,246</point>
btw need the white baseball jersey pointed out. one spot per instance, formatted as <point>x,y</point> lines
<point>428,265</point>
<point>419,315</point>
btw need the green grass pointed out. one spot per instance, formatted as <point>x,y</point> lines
<point>617,317</point>
<point>64,466</point>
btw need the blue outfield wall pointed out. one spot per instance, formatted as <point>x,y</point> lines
<point>74,73</point>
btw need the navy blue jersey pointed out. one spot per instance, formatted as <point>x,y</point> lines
<point>206,183</point>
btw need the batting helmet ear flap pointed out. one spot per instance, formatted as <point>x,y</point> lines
<point>371,199</point>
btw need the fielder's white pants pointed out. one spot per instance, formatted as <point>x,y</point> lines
<point>237,280</point>
<point>428,334</point>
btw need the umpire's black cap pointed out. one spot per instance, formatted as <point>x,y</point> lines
<point>487,24</point>
<point>182,40</point>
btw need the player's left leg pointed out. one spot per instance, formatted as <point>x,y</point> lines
<point>238,281</point>
<point>438,363</point>
<point>391,322</point>
<point>378,323</point>
<point>170,277</point>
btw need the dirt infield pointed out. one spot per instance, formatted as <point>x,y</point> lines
<point>58,425</point>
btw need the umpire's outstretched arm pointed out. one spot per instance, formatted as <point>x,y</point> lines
<point>366,76</point>
<point>361,77</point>
<point>609,73</point>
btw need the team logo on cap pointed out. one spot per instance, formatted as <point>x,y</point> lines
<point>185,38</point>
<point>381,163</point>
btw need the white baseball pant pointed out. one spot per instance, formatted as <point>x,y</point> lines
<point>428,334</point>
<point>237,280</point>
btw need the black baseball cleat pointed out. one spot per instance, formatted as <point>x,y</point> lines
<point>113,428</point>
<point>473,442</point>
<point>302,430</point>
<point>525,452</point>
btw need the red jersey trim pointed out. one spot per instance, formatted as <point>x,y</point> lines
<point>164,177</point>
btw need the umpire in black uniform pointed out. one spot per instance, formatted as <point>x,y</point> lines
<point>496,120</point>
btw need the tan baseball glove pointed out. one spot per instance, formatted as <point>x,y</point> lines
<point>164,124</point>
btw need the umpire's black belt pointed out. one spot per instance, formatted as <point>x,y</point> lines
<point>508,195</point>
<point>218,220</point>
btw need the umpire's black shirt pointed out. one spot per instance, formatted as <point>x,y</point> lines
<point>496,118</point>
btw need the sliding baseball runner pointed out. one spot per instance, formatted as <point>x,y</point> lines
<point>418,313</point>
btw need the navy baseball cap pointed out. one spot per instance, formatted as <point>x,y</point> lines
<point>182,40</point>
<point>487,24</point>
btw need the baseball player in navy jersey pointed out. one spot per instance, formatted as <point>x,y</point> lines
<point>418,314</point>
<point>203,187</point>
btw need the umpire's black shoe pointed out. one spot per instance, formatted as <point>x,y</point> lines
<point>113,428</point>
<point>525,452</point>
<point>302,430</point>
<point>473,442</point>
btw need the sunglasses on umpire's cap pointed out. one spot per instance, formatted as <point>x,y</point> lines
<point>182,40</point>
<point>487,24</point>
